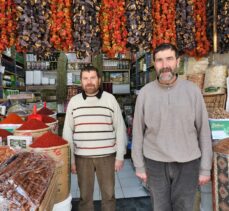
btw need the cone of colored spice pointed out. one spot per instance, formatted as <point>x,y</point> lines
<point>48,119</point>
<point>12,118</point>
<point>5,133</point>
<point>33,124</point>
<point>45,111</point>
<point>48,139</point>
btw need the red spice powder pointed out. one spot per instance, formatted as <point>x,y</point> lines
<point>48,140</point>
<point>45,111</point>
<point>33,124</point>
<point>5,133</point>
<point>47,119</point>
<point>12,118</point>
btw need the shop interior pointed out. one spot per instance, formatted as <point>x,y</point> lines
<point>43,47</point>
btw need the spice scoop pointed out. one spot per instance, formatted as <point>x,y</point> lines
<point>35,115</point>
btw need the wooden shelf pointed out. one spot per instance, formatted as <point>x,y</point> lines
<point>40,87</point>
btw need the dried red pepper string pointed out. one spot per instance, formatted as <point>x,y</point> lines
<point>48,139</point>
<point>113,27</point>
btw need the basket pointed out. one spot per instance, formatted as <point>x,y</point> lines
<point>215,101</point>
<point>34,133</point>
<point>53,126</point>
<point>10,127</point>
<point>197,79</point>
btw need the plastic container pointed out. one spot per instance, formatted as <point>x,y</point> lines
<point>65,205</point>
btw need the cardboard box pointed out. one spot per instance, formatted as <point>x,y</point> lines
<point>50,195</point>
<point>219,128</point>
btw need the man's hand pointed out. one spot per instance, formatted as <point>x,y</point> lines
<point>204,179</point>
<point>119,164</point>
<point>73,168</point>
<point>142,176</point>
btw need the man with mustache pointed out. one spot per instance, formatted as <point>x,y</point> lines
<point>96,132</point>
<point>172,149</point>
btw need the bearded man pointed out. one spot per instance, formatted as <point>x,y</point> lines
<point>172,148</point>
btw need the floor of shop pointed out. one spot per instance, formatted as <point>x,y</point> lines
<point>130,193</point>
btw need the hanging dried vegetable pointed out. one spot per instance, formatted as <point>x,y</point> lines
<point>223,26</point>
<point>61,25</point>
<point>164,29</point>
<point>210,19</point>
<point>113,27</point>
<point>139,24</point>
<point>7,24</point>
<point>86,33</point>
<point>202,44</point>
<point>185,26</point>
<point>33,24</point>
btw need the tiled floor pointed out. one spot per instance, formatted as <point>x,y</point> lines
<point>127,184</point>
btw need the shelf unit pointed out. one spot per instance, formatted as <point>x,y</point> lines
<point>12,75</point>
<point>141,71</point>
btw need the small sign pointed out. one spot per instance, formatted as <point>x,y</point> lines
<point>19,142</point>
<point>219,128</point>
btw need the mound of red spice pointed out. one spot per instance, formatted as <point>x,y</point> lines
<point>47,119</point>
<point>33,124</point>
<point>48,140</point>
<point>12,118</point>
<point>45,111</point>
<point>5,133</point>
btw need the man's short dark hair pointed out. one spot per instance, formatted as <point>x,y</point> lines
<point>88,69</point>
<point>165,46</point>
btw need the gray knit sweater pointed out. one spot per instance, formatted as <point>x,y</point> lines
<point>94,127</point>
<point>171,125</point>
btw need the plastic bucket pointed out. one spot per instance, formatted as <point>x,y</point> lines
<point>34,133</point>
<point>53,126</point>
<point>65,205</point>
<point>61,154</point>
<point>10,127</point>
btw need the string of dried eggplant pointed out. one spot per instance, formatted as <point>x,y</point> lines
<point>223,26</point>
<point>210,19</point>
<point>185,25</point>
<point>139,24</point>
<point>86,30</point>
<point>33,25</point>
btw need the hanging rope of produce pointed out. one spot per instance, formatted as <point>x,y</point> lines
<point>113,27</point>
<point>202,44</point>
<point>164,28</point>
<point>33,24</point>
<point>210,20</point>
<point>223,26</point>
<point>139,24</point>
<point>86,33</point>
<point>61,25</point>
<point>7,24</point>
<point>185,25</point>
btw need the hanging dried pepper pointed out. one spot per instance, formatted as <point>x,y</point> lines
<point>185,26</point>
<point>164,28</point>
<point>7,24</point>
<point>113,27</point>
<point>202,44</point>
<point>33,26</point>
<point>86,33</point>
<point>210,20</point>
<point>139,24</point>
<point>61,25</point>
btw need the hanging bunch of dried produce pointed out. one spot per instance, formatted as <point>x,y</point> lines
<point>113,27</point>
<point>202,44</point>
<point>86,33</point>
<point>139,24</point>
<point>223,26</point>
<point>61,25</point>
<point>7,24</point>
<point>185,25</point>
<point>33,24</point>
<point>210,20</point>
<point>164,28</point>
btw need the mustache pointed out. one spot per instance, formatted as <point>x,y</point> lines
<point>165,70</point>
